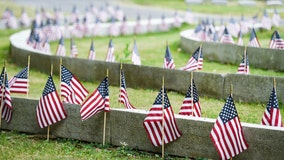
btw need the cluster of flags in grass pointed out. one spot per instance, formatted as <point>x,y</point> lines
<point>160,124</point>
<point>206,30</point>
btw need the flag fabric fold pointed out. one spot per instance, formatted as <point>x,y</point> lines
<point>97,101</point>
<point>195,62</point>
<point>153,123</point>
<point>191,105</point>
<point>110,52</point>
<point>272,116</point>
<point>227,134</point>
<point>20,82</point>
<point>168,60</point>
<point>50,109</point>
<point>244,65</point>
<point>61,50</point>
<point>123,96</point>
<point>5,97</point>
<point>92,53</point>
<point>71,88</point>
<point>135,55</point>
<point>276,42</point>
<point>253,41</point>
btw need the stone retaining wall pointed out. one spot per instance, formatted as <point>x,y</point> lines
<point>126,126</point>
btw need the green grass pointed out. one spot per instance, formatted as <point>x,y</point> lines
<point>15,145</point>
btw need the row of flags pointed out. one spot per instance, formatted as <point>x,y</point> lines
<point>226,134</point>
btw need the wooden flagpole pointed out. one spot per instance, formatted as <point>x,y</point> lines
<point>245,59</point>
<point>191,92</point>
<point>60,70</point>
<point>274,84</point>
<point>48,127</point>
<point>104,129</point>
<point>231,93</point>
<point>163,119</point>
<point>2,97</point>
<point>120,81</point>
<point>29,62</point>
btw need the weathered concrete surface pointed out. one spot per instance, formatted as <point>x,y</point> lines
<point>126,127</point>
<point>263,58</point>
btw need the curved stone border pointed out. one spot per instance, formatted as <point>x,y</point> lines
<point>263,58</point>
<point>126,127</point>
<point>247,88</point>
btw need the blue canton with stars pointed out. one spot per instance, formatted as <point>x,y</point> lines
<point>123,84</point>
<point>195,54</point>
<point>103,88</point>
<point>195,94</point>
<point>159,99</point>
<point>168,55</point>
<point>273,102</point>
<point>49,87</point>
<point>66,75</point>
<point>229,110</point>
<point>23,73</point>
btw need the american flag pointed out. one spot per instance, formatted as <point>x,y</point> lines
<point>244,65</point>
<point>276,41</point>
<point>71,88</point>
<point>272,116</point>
<point>92,53</point>
<point>266,21</point>
<point>240,38</point>
<point>227,134</point>
<point>135,55</point>
<point>191,105</point>
<point>49,110</point>
<point>227,37</point>
<point>168,60</point>
<point>110,52</point>
<point>97,101</point>
<point>61,50</point>
<point>276,19</point>
<point>24,19</point>
<point>46,46</point>
<point>20,82</point>
<point>194,63</point>
<point>6,104</point>
<point>73,48</point>
<point>153,123</point>
<point>253,41</point>
<point>123,97</point>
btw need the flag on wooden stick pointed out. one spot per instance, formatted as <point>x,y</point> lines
<point>50,109</point>
<point>160,123</point>
<point>123,96</point>
<point>227,134</point>
<point>20,82</point>
<point>5,97</point>
<point>97,101</point>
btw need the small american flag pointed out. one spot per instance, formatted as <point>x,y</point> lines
<point>153,123</point>
<point>227,134</point>
<point>240,38</point>
<point>6,104</point>
<point>276,41</point>
<point>191,105</point>
<point>227,37</point>
<point>266,21</point>
<point>92,53</point>
<point>123,97</point>
<point>73,48</point>
<point>253,41</point>
<point>110,52</point>
<point>135,55</point>
<point>244,65</point>
<point>61,50</point>
<point>71,88</point>
<point>193,63</point>
<point>276,19</point>
<point>20,82</point>
<point>97,101</point>
<point>168,60</point>
<point>272,116</point>
<point>49,110</point>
